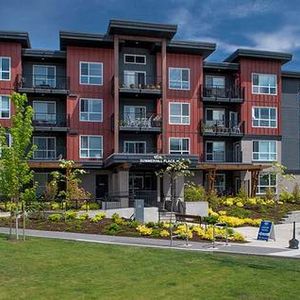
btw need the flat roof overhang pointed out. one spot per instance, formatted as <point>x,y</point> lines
<point>231,167</point>
<point>47,55</point>
<point>137,28</point>
<point>147,159</point>
<point>220,66</point>
<point>259,54</point>
<point>17,37</point>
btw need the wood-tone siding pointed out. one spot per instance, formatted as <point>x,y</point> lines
<point>247,67</point>
<point>77,91</point>
<point>12,50</point>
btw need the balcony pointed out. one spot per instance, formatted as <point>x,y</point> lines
<point>150,122</point>
<point>30,83</point>
<point>50,121</point>
<point>219,157</point>
<point>139,84</point>
<point>233,94</point>
<point>222,129</point>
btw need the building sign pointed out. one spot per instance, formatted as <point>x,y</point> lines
<point>266,231</point>
<point>157,159</point>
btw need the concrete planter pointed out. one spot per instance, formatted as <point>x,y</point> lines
<point>197,208</point>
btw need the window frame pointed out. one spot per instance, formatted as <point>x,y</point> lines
<point>212,153</point>
<point>269,153</point>
<point>215,76</point>
<point>46,66</point>
<point>88,113</point>
<point>260,119</point>
<point>134,55</point>
<point>47,138</point>
<point>180,151</point>
<point>9,107</point>
<point>180,116</point>
<point>135,142</point>
<point>88,149</point>
<point>261,86</point>
<point>89,63</point>
<point>189,78</point>
<point>1,71</point>
<point>259,186</point>
<point>46,101</point>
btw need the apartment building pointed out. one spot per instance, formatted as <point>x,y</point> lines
<point>118,102</point>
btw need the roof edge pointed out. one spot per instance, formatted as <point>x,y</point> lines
<point>16,36</point>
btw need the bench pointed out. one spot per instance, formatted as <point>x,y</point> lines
<point>188,218</point>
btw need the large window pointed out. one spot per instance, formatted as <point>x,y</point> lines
<point>215,116</point>
<point>91,146</point>
<point>179,78</point>
<point>179,113</point>
<point>264,84</point>
<point>266,181</point>
<point>179,146</point>
<point>212,81</point>
<point>44,76</point>
<point>134,147</point>
<point>5,68</point>
<point>91,73</point>
<point>44,112</point>
<point>4,107</point>
<point>264,117</point>
<point>46,147</point>
<point>264,151</point>
<point>91,110</point>
<point>134,79</point>
<point>135,59</point>
<point>215,151</point>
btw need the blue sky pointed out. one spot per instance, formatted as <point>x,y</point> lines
<point>261,24</point>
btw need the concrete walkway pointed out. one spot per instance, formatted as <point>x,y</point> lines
<point>158,243</point>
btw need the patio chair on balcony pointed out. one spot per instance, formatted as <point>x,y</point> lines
<point>237,128</point>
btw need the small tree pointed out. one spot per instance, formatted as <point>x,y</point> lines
<point>15,175</point>
<point>174,169</point>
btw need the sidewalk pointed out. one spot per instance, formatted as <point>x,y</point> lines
<point>158,243</point>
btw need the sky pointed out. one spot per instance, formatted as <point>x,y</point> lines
<point>231,24</point>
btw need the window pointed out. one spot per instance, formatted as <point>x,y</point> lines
<point>134,79</point>
<point>215,116</point>
<point>264,117</point>
<point>179,113</point>
<point>134,147</point>
<point>266,181</point>
<point>91,73</point>
<point>46,147</point>
<point>135,59</point>
<point>4,107</point>
<point>179,79</point>
<point>44,76</point>
<point>215,151</point>
<point>179,146</point>
<point>91,146</point>
<point>5,66</point>
<point>264,84</point>
<point>133,115</point>
<point>44,112</point>
<point>220,183</point>
<point>212,81</point>
<point>264,151</point>
<point>91,110</point>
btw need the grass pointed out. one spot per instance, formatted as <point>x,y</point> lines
<point>57,269</point>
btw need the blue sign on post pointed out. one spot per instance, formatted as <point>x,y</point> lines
<point>266,231</point>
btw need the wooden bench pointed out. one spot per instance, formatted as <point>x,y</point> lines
<point>188,218</point>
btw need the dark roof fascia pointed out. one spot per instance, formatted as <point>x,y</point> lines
<point>202,48</point>
<point>290,74</point>
<point>157,30</point>
<point>216,66</point>
<point>84,39</point>
<point>18,37</point>
<point>260,54</point>
<point>36,53</point>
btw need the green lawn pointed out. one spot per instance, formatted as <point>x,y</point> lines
<point>54,269</point>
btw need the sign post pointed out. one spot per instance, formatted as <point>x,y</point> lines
<point>266,231</point>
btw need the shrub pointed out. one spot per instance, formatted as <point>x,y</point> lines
<point>70,215</point>
<point>270,194</point>
<point>133,224</point>
<point>296,193</point>
<point>118,220</point>
<point>55,217</point>
<point>212,219</point>
<point>242,195</point>
<point>194,192</point>
<point>285,196</point>
<point>55,206</point>
<point>150,224</point>
<point>164,233</point>
<point>98,217</point>
<point>239,204</point>
<point>83,217</point>
<point>213,199</point>
<point>239,212</point>
<point>183,231</point>
<point>144,230</point>
<point>113,228</point>
<point>90,206</point>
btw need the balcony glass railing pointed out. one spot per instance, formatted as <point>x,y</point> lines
<point>140,121</point>
<point>44,154</point>
<point>139,81</point>
<point>215,91</point>
<point>222,128</point>
<point>49,119</point>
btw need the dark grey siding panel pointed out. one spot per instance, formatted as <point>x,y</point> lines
<point>290,116</point>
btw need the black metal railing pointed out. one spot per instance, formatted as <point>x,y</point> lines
<point>222,157</point>
<point>137,147</point>
<point>50,119</point>
<point>222,127</point>
<point>140,81</point>
<point>29,80</point>
<point>140,120</point>
<point>232,92</point>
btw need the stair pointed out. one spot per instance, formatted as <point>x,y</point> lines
<point>293,216</point>
<point>164,216</point>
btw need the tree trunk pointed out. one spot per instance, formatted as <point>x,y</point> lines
<point>17,222</point>
<point>24,219</point>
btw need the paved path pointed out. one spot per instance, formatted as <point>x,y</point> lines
<point>158,243</point>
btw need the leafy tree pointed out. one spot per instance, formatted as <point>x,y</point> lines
<point>194,192</point>
<point>15,175</point>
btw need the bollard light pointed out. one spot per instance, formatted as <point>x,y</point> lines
<point>294,243</point>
